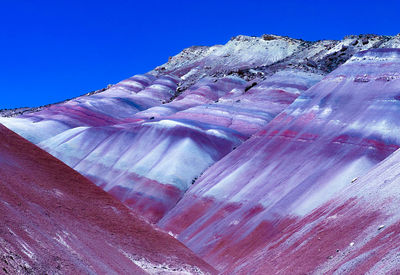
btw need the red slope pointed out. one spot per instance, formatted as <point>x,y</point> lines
<point>356,232</point>
<point>54,220</point>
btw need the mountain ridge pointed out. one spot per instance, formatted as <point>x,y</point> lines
<point>185,54</point>
<point>240,149</point>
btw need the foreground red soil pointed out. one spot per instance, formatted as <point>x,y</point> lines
<point>53,220</point>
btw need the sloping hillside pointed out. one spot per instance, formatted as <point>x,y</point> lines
<point>55,221</point>
<point>334,132</point>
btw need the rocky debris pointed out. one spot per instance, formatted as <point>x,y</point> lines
<point>250,86</point>
<point>320,57</point>
<point>11,262</point>
<point>16,111</point>
<point>268,37</point>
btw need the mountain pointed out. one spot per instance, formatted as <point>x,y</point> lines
<point>242,150</point>
<point>334,132</point>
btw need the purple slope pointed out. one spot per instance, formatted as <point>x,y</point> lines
<point>334,132</point>
<point>114,105</point>
<point>150,163</point>
<point>355,232</point>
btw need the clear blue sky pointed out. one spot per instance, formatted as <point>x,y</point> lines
<point>54,50</point>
